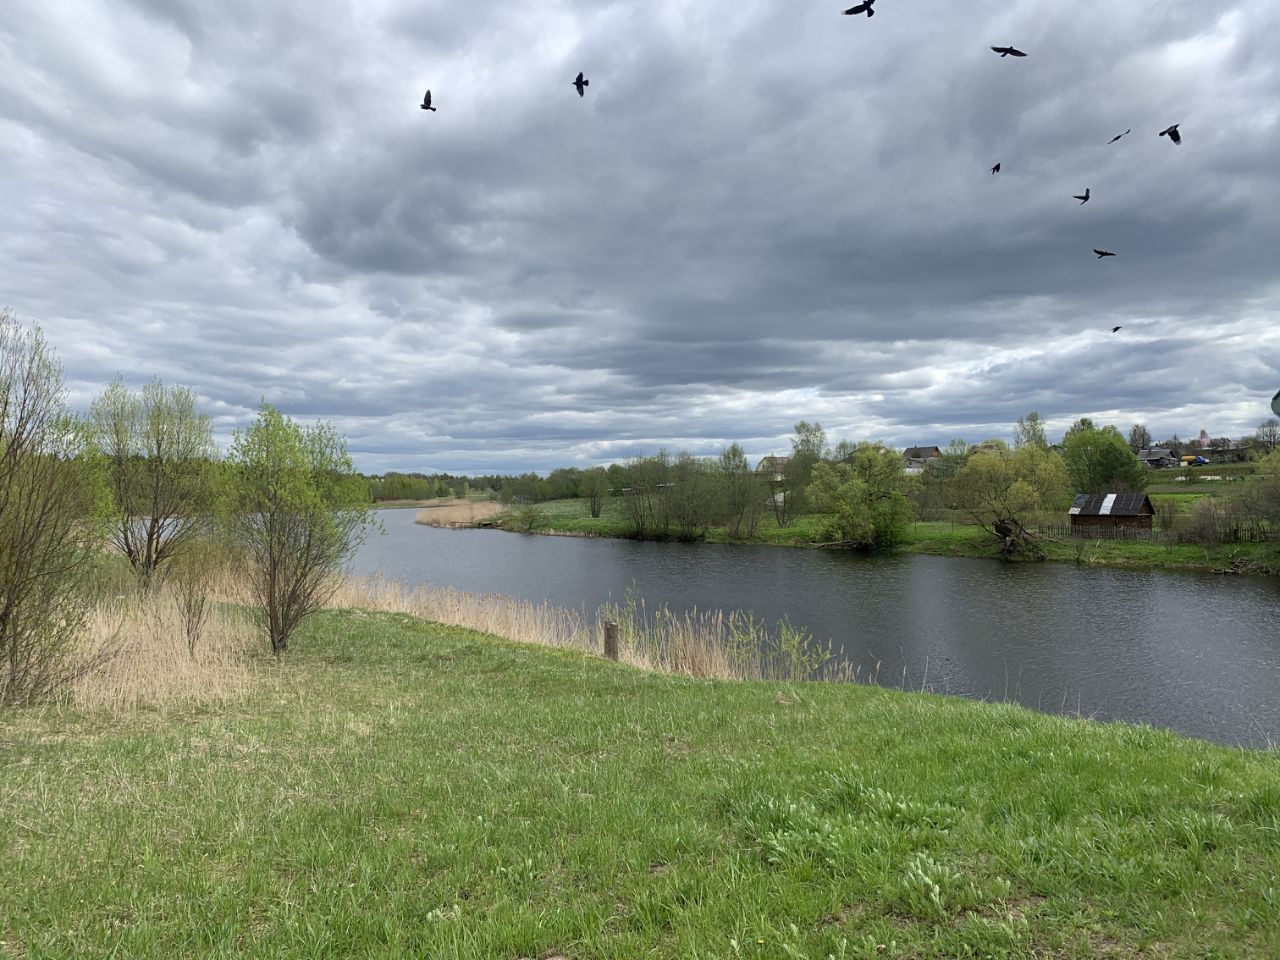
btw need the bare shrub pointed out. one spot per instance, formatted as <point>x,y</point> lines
<point>47,490</point>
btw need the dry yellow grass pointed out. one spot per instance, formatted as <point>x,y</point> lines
<point>704,644</point>
<point>458,512</point>
<point>140,647</point>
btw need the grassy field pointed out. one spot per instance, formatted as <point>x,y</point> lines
<point>398,789</point>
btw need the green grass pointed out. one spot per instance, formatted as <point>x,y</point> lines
<point>398,789</point>
<point>939,539</point>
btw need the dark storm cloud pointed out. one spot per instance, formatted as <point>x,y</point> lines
<point>759,213</point>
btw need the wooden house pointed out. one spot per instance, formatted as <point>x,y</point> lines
<point>1106,515</point>
<point>771,468</point>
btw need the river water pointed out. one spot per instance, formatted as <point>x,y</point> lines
<point>1197,653</point>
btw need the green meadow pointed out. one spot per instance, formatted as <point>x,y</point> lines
<point>394,788</point>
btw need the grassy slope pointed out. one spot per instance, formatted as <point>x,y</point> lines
<point>404,790</point>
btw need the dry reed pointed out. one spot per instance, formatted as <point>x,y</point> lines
<point>703,644</point>
<point>140,643</point>
<point>458,513</point>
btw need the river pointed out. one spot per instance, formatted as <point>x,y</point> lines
<point>1196,653</point>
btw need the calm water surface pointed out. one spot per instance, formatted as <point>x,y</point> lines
<point>1197,653</point>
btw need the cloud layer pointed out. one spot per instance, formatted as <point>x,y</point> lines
<point>758,214</point>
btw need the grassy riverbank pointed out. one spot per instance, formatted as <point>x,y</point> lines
<point>570,517</point>
<point>400,789</point>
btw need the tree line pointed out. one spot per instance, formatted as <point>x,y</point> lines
<point>140,481</point>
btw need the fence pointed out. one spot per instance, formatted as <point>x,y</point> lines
<point>1138,534</point>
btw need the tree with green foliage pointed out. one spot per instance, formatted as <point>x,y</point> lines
<point>692,496</point>
<point>1029,432</point>
<point>297,509</point>
<point>1100,461</point>
<point>863,499</point>
<point>744,493</point>
<point>162,467</point>
<point>810,441</point>
<point>595,487</point>
<point>1004,491</point>
<point>644,497</point>
<point>51,499</point>
<point>808,447</point>
<point>1261,497</point>
<point>1084,423</point>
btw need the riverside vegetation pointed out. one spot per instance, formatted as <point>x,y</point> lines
<point>995,501</point>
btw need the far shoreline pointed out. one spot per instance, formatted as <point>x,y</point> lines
<point>927,538</point>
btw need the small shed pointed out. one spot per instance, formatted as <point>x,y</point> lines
<point>1110,514</point>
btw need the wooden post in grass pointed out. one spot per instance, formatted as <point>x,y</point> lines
<point>611,640</point>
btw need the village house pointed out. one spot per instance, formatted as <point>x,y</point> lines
<point>917,457</point>
<point>1158,458</point>
<point>771,468</point>
<point>1110,515</point>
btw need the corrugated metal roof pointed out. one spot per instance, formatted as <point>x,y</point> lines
<point>1110,505</point>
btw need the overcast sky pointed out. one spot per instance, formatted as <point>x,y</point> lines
<point>761,212</point>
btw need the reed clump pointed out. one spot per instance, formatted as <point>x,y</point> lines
<point>139,650</point>
<point>458,513</point>
<point>706,644</point>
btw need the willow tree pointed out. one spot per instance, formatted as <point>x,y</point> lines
<point>47,485</point>
<point>161,461</point>
<point>1004,491</point>
<point>863,499</point>
<point>298,511</point>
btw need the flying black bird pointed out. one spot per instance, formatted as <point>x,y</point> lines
<point>581,83</point>
<point>996,168</point>
<point>1114,329</point>
<point>1082,197</point>
<point>1172,133</point>
<point>1118,136</point>
<point>863,7</point>
<point>1103,253</point>
<point>426,101</point>
<point>1008,51</point>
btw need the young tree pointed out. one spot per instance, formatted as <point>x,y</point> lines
<point>744,493</point>
<point>298,510</point>
<point>1100,461</point>
<point>161,465</point>
<point>808,447</point>
<point>48,488</point>
<point>810,441</point>
<point>863,499</point>
<point>1139,438</point>
<point>1029,432</point>
<point>1261,497</point>
<point>595,487</point>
